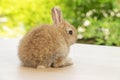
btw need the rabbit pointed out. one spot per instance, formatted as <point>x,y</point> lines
<point>47,46</point>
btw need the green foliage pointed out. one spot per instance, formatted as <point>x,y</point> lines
<point>24,14</point>
<point>104,31</point>
<point>96,20</point>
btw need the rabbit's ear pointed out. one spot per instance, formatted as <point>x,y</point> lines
<point>56,15</point>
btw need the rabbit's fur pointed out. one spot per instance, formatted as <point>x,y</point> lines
<point>48,45</point>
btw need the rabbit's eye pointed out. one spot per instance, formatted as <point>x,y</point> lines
<point>70,32</point>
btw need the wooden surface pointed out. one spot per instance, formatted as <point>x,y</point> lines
<point>91,62</point>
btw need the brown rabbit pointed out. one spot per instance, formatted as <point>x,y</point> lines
<point>48,45</point>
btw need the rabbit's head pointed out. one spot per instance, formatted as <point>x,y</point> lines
<point>68,30</point>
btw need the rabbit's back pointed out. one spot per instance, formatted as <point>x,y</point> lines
<point>40,46</point>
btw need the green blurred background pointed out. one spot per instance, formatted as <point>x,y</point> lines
<point>97,21</point>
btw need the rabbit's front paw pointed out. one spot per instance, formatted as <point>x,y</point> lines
<point>68,61</point>
<point>63,62</point>
<point>40,67</point>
